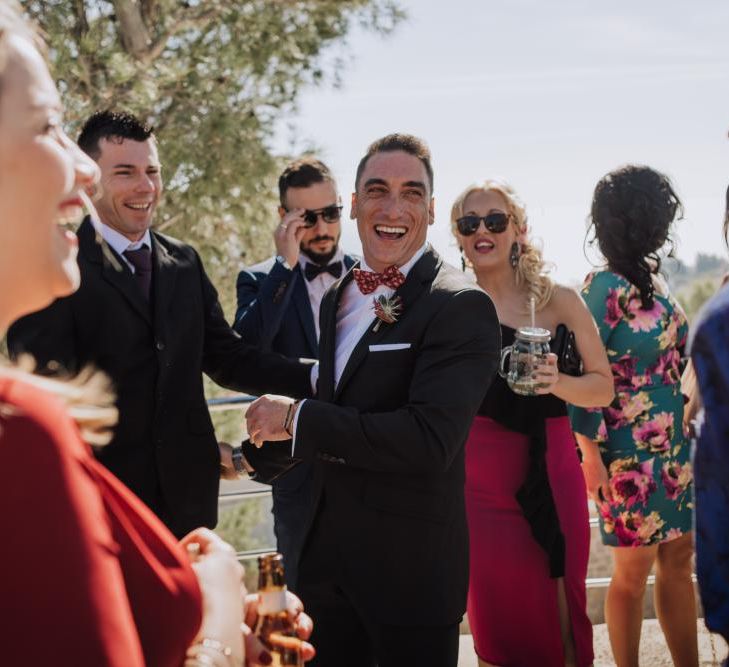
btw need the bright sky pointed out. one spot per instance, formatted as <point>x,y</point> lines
<point>547,95</point>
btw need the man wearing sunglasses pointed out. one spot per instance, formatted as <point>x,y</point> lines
<point>278,309</point>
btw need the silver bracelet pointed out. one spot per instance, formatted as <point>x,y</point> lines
<point>207,652</point>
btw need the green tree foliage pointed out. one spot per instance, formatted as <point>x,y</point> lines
<point>696,295</point>
<point>695,284</point>
<point>241,526</point>
<point>214,77</point>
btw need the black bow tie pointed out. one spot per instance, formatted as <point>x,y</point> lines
<point>311,271</point>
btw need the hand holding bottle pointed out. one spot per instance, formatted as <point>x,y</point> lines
<point>256,653</point>
<point>278,618</point>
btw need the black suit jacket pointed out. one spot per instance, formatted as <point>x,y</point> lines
<point>155,355</point>
<point>389,445</point>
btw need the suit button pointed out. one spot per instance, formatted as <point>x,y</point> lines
<point>160,345</point>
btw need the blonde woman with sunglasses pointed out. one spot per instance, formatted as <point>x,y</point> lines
<point>525,494</point>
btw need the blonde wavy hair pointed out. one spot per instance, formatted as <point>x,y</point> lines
<point>88,397</point>
<point>531,269</point>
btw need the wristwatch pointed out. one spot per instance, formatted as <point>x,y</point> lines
<point>282,261</point>
<point>237,455</point>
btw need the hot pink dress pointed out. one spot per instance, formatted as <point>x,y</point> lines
<point>528,524</point>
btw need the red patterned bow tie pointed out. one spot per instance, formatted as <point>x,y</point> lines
<point>367,281</point>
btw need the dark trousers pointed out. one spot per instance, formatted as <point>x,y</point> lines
<point>343,632</point>
<point>291,506</point>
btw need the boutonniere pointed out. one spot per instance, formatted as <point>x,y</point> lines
<point>387,310</point>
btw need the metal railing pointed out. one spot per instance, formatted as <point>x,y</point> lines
<point>231,402</point>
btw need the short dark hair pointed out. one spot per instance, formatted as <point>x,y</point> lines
<point>398,142</point>
<point>302,173</point>
<point>111,125</point>
<point>633,210</point>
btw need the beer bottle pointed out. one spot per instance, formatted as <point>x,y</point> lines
<point>275,628</point>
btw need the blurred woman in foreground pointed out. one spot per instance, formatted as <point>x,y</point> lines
<point>88,575</point>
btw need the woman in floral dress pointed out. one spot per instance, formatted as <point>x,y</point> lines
<point>636,453</point>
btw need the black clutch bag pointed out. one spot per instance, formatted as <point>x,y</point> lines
<point>569,361</point>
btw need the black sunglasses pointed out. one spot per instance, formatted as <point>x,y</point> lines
<point>329,214</point>
<point>495,223</point>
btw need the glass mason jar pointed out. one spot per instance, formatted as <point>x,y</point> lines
<point>529,350</point>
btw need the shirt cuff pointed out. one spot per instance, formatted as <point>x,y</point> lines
<point>295,422</point>
<point>314,378</point>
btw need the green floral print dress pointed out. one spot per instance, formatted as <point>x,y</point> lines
<point>641,434</point>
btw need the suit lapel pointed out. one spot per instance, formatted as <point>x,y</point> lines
<point>349,262</point>
<point>164,276</point>
<point>303,307</point>
<point>120,277</point>
<point>328,336</point>
<point>418,278</point>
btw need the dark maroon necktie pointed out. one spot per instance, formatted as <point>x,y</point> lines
<point>141,260</point>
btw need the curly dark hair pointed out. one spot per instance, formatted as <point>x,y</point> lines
<point>112,126</point>
<point>633,209</point>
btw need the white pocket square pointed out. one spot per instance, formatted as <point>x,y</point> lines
<point>389,346</point>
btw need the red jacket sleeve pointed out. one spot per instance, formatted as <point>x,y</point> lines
<point>61,586</point>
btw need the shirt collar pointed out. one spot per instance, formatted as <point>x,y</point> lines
<point>405,268</point>
<point>120,243</point>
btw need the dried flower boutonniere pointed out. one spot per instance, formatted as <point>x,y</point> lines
<point>387,310</point>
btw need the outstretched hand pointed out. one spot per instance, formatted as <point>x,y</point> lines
<point>266,417</point>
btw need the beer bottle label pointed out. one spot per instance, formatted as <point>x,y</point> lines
<point>271,602</point>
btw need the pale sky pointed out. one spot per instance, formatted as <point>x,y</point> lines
<point>546,95</point>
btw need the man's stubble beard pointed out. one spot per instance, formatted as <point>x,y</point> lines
<point>318,257</point>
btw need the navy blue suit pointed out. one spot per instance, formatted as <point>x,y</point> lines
<point>710,354</point>
<point>274,313</point>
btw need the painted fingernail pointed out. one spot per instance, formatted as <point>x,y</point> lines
<point>265,658</point>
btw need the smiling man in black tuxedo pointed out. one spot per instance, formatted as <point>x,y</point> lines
<point>384,570</point>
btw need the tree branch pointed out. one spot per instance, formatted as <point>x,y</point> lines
<point>81,25</point>
<point>189,23</point>
<point>149,11</point>
<point>132,29</point>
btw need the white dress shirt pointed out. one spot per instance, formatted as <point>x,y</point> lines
<point>121,243</point>
<point>316,288</point>
<point>354,316</point>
